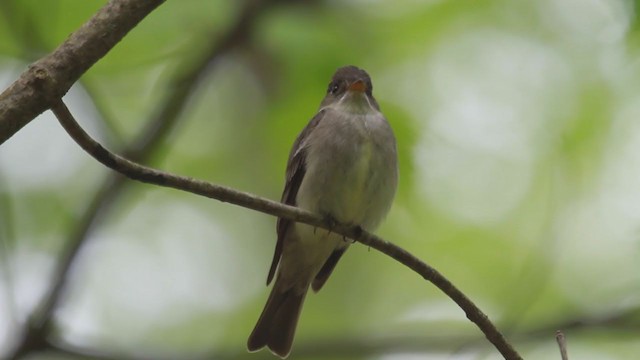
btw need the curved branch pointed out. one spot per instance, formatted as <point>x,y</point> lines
<point>51,77</point>
<point>221,193</point>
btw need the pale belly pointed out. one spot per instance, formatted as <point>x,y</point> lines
<point>351,175</point>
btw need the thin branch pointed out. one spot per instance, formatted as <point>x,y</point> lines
<point>50,78</point>
<point>224,194</point>
<point>562,343</point>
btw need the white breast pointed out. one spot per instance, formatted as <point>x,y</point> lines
<point>351,168</point>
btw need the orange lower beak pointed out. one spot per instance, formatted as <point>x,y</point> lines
<point>357,85</point>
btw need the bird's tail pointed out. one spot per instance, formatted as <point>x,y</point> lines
<point>276,326</point>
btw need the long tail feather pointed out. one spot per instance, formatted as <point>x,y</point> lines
<point>276,326</point>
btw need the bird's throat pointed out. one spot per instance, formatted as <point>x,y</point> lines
<point>355,103</point>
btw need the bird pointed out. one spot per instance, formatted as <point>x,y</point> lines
<point>343,165</point>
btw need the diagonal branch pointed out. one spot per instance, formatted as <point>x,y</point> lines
<point>224,194</point>
<point>51,77</point>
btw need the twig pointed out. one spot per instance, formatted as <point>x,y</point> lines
<point>221,193</point>
<point>562,343</point>
<point>51,77</point>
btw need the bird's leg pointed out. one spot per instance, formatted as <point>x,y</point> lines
<point>358,232</point>
<point>330,221</point>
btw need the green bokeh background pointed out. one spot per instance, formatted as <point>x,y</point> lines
<point>518,124</point>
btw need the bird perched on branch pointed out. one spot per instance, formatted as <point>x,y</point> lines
<point>343,165</point>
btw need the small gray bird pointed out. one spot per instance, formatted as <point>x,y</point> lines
<point>343,165</point>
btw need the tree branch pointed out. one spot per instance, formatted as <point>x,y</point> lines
<point>224,194</point>
<point>562,344</point>
<point>49,78</point>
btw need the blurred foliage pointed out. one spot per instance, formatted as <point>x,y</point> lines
<point>517,124</point>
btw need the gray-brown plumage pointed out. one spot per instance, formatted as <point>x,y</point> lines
<point>343,165</point>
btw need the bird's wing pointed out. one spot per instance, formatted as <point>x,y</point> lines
<point>296,169</point>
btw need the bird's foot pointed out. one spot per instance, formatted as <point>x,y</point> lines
<point>358,232</point>
<point>329,221</point>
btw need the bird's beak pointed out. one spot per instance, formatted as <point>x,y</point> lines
<point>357,86</point>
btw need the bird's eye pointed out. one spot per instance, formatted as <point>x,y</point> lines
<point>333,88</point>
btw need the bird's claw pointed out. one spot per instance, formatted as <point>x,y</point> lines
<point>330,221</point>
<point>357,233</point>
